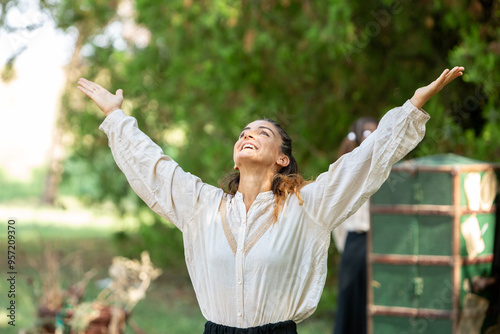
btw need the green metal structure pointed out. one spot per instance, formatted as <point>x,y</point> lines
<point>432,237</point>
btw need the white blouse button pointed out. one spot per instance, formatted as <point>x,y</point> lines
<point>239,314</point>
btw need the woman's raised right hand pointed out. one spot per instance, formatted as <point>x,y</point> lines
<point>106,101</point>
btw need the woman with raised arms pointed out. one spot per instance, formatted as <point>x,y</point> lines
<point>257,252</point>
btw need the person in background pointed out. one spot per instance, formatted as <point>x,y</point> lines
<point>350,240</point>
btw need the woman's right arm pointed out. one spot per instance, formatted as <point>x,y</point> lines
<point>154,176</point>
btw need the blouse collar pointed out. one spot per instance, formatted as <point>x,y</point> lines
<point>261,197</point>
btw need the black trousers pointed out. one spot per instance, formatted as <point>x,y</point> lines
<point>351,308</point>
<point>285,327</point>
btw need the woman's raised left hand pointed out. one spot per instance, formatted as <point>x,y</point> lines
<point>423,94</point>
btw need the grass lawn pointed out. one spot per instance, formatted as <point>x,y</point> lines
<point>169,307</point>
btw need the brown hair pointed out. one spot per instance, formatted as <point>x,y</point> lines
<point>286,181</point>
<point>355,136</point>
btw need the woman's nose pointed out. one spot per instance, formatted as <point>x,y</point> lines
<point>249,134</point>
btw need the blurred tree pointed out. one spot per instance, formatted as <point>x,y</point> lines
<point>195,72</point>
<point>19,20</point>
<point>17,27</point>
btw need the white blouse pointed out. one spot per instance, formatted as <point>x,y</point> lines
<point>246,271</point>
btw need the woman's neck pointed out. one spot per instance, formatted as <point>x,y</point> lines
<point>252,184</point>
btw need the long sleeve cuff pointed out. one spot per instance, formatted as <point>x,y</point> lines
<point>112,118</point>
<point>424,115</point>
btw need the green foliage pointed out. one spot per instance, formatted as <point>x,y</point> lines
<point>13,190</point>
<point>479,51</point>
<point>210,67</point>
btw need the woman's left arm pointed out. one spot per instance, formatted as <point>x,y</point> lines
<point>354,177</point>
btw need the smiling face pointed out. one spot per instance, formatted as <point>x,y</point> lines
<point>259,144</point>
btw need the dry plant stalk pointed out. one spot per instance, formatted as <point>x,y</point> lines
<point>52,293</point>
<point>129,281</point>
<point>83,315</point>
<point>51,296</point>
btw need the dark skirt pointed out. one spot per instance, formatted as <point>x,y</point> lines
<point>285,327</point>
<point>351,308</point>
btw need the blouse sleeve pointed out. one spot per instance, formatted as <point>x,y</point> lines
<point>160,182</point>
<point>354,177</point>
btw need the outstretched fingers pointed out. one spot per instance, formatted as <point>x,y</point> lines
<point>453,74</point>
<point>88,87</point>
<point>446,77</point>
<point>88,84</point>
<point>443,75</point>
<point>85,91</point>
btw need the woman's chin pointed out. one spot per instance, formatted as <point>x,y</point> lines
<point>247,155</point>
<point>248,161</point>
